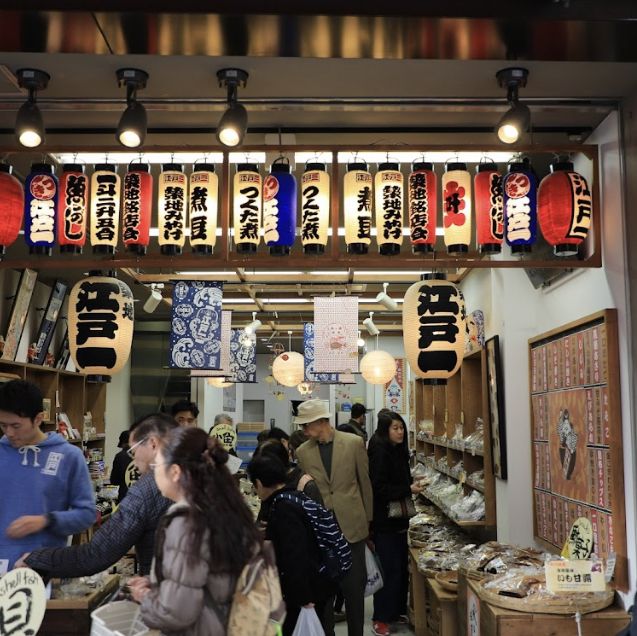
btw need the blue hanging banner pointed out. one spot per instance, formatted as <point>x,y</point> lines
<point>195,326</point>
<point>243,357</point>
<point>308,354</point>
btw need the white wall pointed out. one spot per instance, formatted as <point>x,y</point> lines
<point>515,311</point>
<point>118,415</point>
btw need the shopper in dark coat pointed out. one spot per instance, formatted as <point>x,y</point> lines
<point>391,481</point>
<point>297,552</point>
<point>121,462</point>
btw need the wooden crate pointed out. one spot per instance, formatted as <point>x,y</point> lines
<point>442,611</point>
<point>72,617</point>
<point>418,595</point>
<point>495,621</point>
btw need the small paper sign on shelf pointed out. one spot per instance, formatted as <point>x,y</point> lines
<point>571,575</point>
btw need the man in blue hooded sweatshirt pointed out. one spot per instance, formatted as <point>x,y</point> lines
<point>46,489</point>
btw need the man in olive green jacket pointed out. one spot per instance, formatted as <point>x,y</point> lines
<point>338,463</point>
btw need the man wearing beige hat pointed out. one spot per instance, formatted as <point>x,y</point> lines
<point>338,463</point>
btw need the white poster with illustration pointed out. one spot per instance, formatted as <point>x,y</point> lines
<point>335,334</point>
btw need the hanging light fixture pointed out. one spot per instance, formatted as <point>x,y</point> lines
<point>234,122</point>
<point>423,206</point>
<point>519,187</point>
<point>11,207</point>
<point>456,196</point>
<point>389,208</point>
<point>372,329</point>
<point>219,383</point>
<point>386,300</point>
<point>29,126</point>
<point>105,204</point>
<point>40,203</point>
<point>489,207</point>
<point>138,208</point>
<point>171,209</point>
<point>357,207</point>
<point>152,302</point>
<point>360,341</point>
<point>131,130</point>
<point>253,326</point>
<point>72,212</point>
<point>204,202</point>
<point>315,208</point>
<point>378,367</point>
<point>518,118</point>
<point>279,208</point>
<point>434,328</point>
<point>100,323</point>
<point>565,208</point>
<point>288,368</point>
<point>247,207</point>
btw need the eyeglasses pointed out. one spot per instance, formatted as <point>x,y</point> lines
<point>131,451</point>
<point>155,464</point>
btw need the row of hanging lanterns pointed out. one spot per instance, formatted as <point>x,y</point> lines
<point>508,207</point>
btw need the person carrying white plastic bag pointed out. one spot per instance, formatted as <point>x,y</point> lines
<point>308,623</point>
<point>374,573</point>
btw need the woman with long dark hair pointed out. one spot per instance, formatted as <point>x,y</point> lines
<point>391,484</point>
<point>203,542</point>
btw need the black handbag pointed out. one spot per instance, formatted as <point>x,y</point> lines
<point>401,508</point>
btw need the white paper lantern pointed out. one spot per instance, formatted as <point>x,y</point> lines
<point>378,367</point>
<point>247,207</point>
<point>357,207</point>
<point>315,208</point>
<point>100,322</point>
<point>171,209</point>
<point>456,207</point>
<point>204,202</point>
<point>434,328</point>
<point>388,185</point>
<point>288,368</point>
<point>105,207</point>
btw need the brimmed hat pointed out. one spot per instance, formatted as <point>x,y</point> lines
<point>310,411</point>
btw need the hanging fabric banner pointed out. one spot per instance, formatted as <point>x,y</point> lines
<point>308,354</point>
<point>243,357</point>
<point>195,328</point>
<point>47,326</point>
<point>335,334</point>
<point>224,365</point>
<point>396,390</point>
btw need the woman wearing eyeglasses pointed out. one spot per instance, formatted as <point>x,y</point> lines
<point>203,542</point>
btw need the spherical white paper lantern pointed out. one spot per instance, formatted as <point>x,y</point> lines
<point>219,383</point>
<point>288,368</point>
<point>378,367</point>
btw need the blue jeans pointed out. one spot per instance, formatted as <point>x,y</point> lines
<point>391,600</point>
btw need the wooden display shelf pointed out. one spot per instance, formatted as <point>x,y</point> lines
<point>461,401</point>
<point>72,617</point>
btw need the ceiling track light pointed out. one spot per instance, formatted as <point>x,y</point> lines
<point>29,126</point>
<point>155,298</point>
<point>254,326</point>
<point>385,300</point>
<point>372,329</point>
<point>131,130</point>
<point>234,122</point>
<point>518,118</point>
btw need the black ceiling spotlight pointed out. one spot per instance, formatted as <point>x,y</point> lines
<point>29,127</point>
<point>518,118</point>
<point>131,130</point>
<point>234,122</point>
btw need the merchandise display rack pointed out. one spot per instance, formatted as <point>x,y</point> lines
<point>438,410</point>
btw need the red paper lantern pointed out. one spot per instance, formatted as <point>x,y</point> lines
<point>565,208</point>
<point>489,208</point>
<point>138,207</point>
<point>72,208</point>
<point>11,207</point>
<point>423,206</point>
